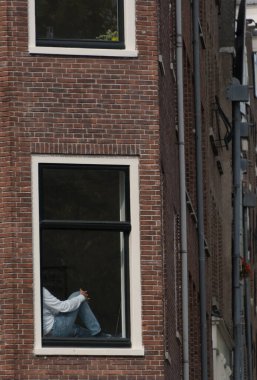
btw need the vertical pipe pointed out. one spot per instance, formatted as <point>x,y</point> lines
<point>247,301</point>
<point>238,71</point>
<point>236,242</point>
<point>199,184</point>
<point>182,179</point>
<point>248,329</point>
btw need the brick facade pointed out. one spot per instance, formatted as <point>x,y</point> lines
<point>63,105</point>
<point>106,106</point>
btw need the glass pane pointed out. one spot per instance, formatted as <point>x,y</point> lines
<point>90,260</point>
<point>77,20</point>
<point>79,193</point>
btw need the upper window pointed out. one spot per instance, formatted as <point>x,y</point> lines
<point>99,27</point>
<point>80,23</point>
<point>83,216</point>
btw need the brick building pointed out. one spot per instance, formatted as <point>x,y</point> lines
<point>93,138</point>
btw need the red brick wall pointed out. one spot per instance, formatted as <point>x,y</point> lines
<point>76,105</point>
<point>115,106</point>
<point>6,265</point>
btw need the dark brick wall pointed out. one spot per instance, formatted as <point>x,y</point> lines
<point>215,76</point>
<point>249,184</point>
<point>170,191</point>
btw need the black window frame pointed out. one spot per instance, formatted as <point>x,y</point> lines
<point>121,226</point>
<point>89,44</point>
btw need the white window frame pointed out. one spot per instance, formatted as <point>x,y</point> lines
<point>129,36</point>
<point>134,258</point>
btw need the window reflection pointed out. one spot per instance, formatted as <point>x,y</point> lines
<point>84,233</point>
<point>73,193</point>
<point>78,20</point>
<point>90,260</point>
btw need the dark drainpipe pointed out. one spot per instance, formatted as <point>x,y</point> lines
<point>199,184</point>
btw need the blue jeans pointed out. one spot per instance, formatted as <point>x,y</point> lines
<point>65,326</point>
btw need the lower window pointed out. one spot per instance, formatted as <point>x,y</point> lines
<point>84,250</point>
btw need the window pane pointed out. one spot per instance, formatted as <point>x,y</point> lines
<point>80,193</point>
<point>92,260</point>
<point>77,20</point>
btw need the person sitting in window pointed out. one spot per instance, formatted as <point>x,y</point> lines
<point>59,317</point>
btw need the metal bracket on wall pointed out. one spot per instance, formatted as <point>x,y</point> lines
<point>244,164</point>
<point>249,199</point>
<point>161,64</point>
<point>237,92</point>
<point>244,129</point>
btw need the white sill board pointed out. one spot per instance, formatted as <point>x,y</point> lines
<point>47,351</point>
<point>83,52</point>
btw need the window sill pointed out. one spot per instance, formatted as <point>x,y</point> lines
<point>83,51</point>
<point>96,342</point>
<point>93,351</point>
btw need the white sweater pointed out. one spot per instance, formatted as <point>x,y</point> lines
<point>52,306</point>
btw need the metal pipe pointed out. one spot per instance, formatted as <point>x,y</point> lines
<point>182,172</point>
<point>247,301</point>
<point>199,184</point>
<point>248,329</point>
<point>238,71</point>
<point>236,242</point>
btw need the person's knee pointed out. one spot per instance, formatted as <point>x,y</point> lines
<point>74,294</point>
